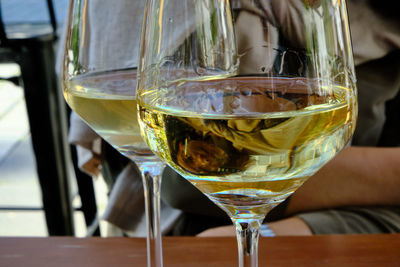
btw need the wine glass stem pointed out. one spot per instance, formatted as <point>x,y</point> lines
<point>151,173</point>
<point>247,232</point>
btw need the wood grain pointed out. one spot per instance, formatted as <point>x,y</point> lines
<point>328,250</point>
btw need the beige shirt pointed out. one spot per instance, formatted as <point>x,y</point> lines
<point>373,36</point>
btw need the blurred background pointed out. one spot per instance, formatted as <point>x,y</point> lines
<point>42,191</point>
<point>30,34</point>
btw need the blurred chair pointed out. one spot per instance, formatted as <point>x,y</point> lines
<point>32,47</point>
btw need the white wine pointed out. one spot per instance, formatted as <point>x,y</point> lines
<point>261,148</point>
<point>107,103</point>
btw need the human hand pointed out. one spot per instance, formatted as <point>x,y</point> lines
<point>292,226</point>
<point>221,231</point>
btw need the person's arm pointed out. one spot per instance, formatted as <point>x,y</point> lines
<point>358,176</point>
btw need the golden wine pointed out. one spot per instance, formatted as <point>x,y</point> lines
<point>107,103</point>
<point>261,148</point>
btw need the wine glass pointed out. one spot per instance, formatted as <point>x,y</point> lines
<point>99,83</point>
<point>246,99</point>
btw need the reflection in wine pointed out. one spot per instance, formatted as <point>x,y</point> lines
<point>249,151</point>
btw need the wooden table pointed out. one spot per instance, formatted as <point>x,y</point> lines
<point>332,250</point>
